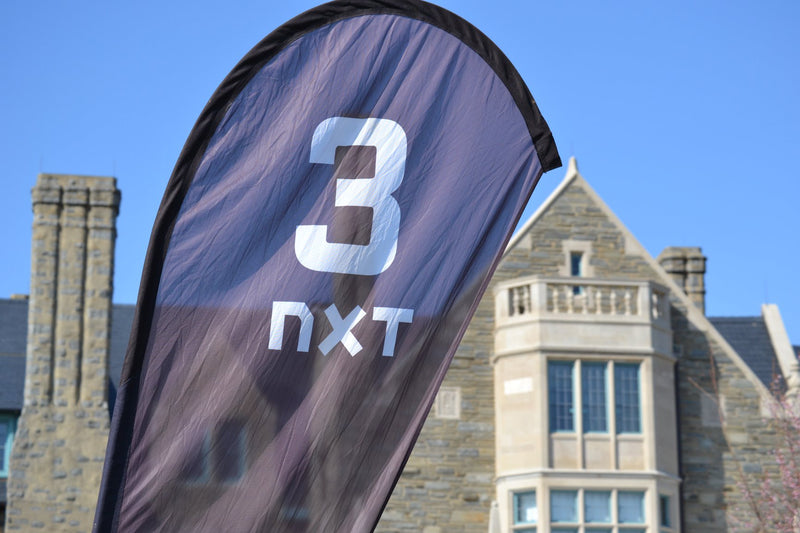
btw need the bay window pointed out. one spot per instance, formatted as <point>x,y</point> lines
<point>592,394</point>
<point>597,511</point>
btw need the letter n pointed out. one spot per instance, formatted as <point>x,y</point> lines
<point>280,310</point>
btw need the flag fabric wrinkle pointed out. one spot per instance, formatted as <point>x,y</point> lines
<point>327,233</point>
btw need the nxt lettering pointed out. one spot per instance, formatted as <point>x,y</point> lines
<point>342,326</point>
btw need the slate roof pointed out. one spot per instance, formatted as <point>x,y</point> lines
<point>13,333</point>
<point>121,321</point>
<point>12,382</point>
<point>13,321</point>
<point>748,335</point>
<point>13,338</point>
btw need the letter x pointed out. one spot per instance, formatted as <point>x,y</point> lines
<point>341,330</point>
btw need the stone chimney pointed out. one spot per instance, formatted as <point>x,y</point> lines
<point>687,267</point>
<point>58,452</point>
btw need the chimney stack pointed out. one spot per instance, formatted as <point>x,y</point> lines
<point>687,267</point>
<point>53,486</point>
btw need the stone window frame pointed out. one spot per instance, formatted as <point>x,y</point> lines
<point>614,525</point>
<point>543,519</point>
<point>578,408</point>
<point>528,524</point>
<point>570,247</point>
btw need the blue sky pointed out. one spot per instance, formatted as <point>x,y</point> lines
<point>684,116</point>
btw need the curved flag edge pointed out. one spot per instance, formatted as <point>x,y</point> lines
<point>120,435</point>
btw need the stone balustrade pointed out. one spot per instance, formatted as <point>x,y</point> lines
<point>589,297</point>
<point>582,312</point>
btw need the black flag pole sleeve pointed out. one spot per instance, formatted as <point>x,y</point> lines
<point>324,239</point>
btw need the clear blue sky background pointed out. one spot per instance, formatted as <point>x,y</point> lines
<point>684,116</point>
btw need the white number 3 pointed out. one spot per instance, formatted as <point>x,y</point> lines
<point>311,245</point>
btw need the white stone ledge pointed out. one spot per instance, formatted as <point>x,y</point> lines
<point>606,476</point>
<point>634,353</point>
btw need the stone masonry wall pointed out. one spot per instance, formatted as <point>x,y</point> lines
<point>59,448</point>
<point>448,482</point>
<point>716,456</point>
<point>727,441</point>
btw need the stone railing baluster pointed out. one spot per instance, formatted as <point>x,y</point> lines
<point>514,301</point>
<point>568,297</point>
<point>527,299</point>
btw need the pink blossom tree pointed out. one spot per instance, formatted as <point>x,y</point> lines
<point>775,500</point>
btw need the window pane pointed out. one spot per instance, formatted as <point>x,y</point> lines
<point>663,507</point>
<point>559,381</point>
<point>631,507</point>
<point>525,510</point>
<point>597,506</point>
<point>598,530</point>
<point>626,392</point>
<point>576,261</point>
<point>593,378</point>
<point>576,269</point>
<point>563,506</point>
<point>4,434</point>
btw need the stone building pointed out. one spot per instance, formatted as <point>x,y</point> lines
<point>590,393</point>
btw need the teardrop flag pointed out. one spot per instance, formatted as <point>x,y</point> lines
<point>324,239</point>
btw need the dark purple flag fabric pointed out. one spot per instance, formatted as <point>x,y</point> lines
<point>324,239</point>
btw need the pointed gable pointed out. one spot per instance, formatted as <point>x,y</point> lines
<point>720,400</point>
<point>575,218</point>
